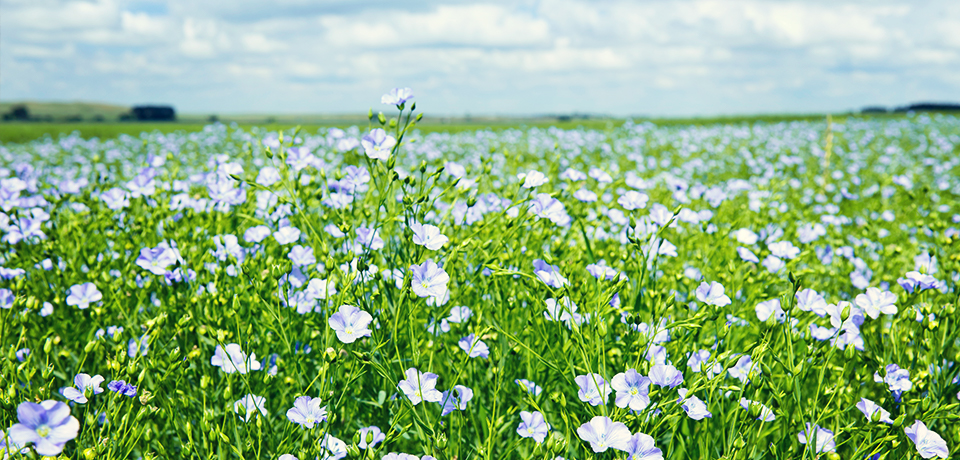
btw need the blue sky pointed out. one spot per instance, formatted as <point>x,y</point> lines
<point>661,58</point>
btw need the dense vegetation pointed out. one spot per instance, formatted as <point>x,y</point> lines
<point>768,290</point>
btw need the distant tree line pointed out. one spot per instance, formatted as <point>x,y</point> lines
<point>918,107</point>
<point>20,112</point>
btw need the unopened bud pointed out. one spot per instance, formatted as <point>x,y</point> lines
<point>556,443</point>
<point>899,421</point>
<point>381,118</point>
<point>353,450</point>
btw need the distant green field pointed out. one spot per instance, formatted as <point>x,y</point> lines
<point>25,132</point>
<point>19,132</point>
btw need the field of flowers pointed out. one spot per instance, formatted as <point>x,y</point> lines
<point>747,291</point>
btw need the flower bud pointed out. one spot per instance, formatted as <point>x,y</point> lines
<point>381,118</point>
<point>556,443</point>
<point>899,421</point>
<point>353,450</point>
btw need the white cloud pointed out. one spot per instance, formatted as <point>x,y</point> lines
<point>473,25</point>
<point>57,16</point>
<point>43,52</point>
<point>202,38</point>
<point>259,43</point>
<point>144,24</point>
<point>527,56</point>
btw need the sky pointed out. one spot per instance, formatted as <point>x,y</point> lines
<point>521,57</point>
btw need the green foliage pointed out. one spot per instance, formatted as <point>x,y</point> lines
<point>776,176</point>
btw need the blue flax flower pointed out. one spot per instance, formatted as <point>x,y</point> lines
<point>122,387</point>
<point>350,323</point>
<point>85,385</point>
<point>593,389</point>
<point>248,406</point>
<point>633,390</point>
<point>929,444</point>
<point>825,441</point>
<point>642,447</point>
<point>474,347</point>
<point>47,425</point>
<point>665,375</point>
<point>429,280</point>
<point>306,412</point>
<point>603,433</point>
<point>532,425</point>
<point>82,295</point>
<point>693,406</point>
<point>370,436</point>
<point>420,386</point>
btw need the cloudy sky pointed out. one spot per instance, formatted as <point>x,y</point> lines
<point>666,58</point>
